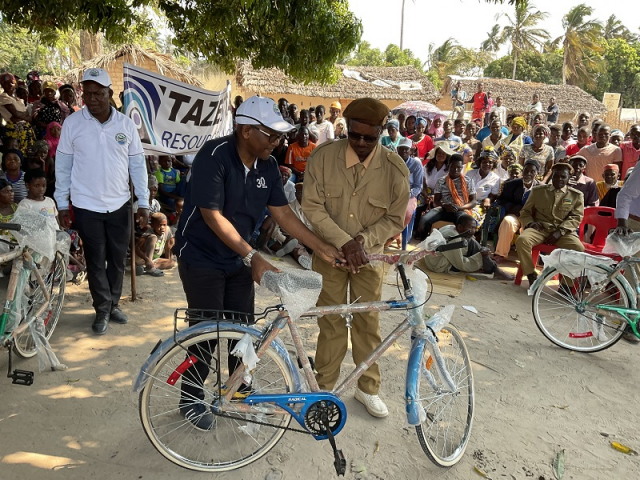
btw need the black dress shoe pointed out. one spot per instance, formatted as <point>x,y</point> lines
<point>118,316</point>
<point>101,323</point>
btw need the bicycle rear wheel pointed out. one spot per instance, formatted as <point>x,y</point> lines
<point>445,432</point>
<point>55,282</point>
<point>232,442</point>
<point>565,309</point>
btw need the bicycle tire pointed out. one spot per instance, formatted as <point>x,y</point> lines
<point>210,451</point>
<point>568,321</point>
<point>55,280</point>
<point>446,430</point>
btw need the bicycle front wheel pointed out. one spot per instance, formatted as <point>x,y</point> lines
<point>55,283</point>
<point>445,432</point>
<point>564,309</point>
<point>232,442</point>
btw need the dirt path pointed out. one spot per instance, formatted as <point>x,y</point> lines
<point>532,400</point>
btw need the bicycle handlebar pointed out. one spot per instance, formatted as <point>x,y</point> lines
<point>10,226</point>
<point>414,256</point>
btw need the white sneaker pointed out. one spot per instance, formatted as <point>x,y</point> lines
<point>373,403</point>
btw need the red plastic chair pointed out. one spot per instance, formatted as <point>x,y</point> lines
<point>602,218</point>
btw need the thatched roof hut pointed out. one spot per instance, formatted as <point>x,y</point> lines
<point>517,95</point>
<point>393,85</point>
<point>151,60</point>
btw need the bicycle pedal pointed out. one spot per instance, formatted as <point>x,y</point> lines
<point>22,377</point>
<point>340,463</point>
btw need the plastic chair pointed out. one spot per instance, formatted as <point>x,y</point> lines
<point>604,220</point>
<point>535,255</point>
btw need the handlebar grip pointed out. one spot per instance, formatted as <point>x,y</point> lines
<point>10,226</point>
<point>451,246</point>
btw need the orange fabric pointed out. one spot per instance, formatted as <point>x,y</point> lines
<point>297,156</point>
<point>454,192</point>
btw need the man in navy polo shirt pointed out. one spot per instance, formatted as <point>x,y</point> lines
<point>233,180</point>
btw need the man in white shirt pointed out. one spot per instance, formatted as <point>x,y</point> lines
<point>628,205</point>
<point>99,149</point>
<point>534,108</point>
<point>323,128</point>
<point>501,110</point>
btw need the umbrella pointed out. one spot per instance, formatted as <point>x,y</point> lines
<point>419,109</point>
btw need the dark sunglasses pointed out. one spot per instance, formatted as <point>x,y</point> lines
<point>273,137</point>
<point>356,137</point>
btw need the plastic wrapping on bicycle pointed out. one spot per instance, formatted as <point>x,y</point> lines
<point>10,226</point>
<point>433,244</point>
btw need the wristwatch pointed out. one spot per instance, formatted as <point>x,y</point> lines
<point>247,260</point>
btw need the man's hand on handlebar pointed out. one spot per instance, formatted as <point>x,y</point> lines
<point>355,254</point>
<point>330,254</point>
<point>622,229</point>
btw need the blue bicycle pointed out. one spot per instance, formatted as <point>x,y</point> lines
<point>254,408</point>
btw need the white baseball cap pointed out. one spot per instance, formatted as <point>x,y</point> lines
<point>262,111</point>
<point>97,75</point>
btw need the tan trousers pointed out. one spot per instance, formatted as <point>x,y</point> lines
<point>508,228</point>
<point>530,238</point>
<point>365,327</point>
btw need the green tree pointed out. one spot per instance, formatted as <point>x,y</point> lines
<point>622,73</point>
<point>273,33</point>
<point>494,40</point>
<point>395,57</point>
<point>367,56</point>
<point>521,32</point>
<point>581,45</point>
<point>533,67</point>
<point>614,28</point>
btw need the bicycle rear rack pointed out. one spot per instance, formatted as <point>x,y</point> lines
<point>19,377</point>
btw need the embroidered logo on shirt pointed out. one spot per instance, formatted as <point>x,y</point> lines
<point>261,182</point>
<point>121,138</point>
<point>566,201</point>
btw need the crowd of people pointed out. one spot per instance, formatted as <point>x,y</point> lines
<point>325,189</point>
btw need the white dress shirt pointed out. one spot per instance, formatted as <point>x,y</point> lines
<point>94,161</point>
<point>628,201</point>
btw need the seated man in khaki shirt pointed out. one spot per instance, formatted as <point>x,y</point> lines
<point>551,215</point>
<point>355,196</point>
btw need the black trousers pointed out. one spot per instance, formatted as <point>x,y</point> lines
<point>208,288</point>
<point>105,237</point>
<point>488,264</point>
<point>425,223</point>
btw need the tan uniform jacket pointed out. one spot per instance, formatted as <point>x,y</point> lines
<point>555,210</point>
<point>339,210</point>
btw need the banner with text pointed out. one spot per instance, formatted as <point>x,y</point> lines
<point>174,117</point>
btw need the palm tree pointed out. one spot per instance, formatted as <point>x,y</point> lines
<point>493,41</point>
<point>614,28</point>
<point>443,59</point>
<point>581,44</point>
<point>522,32</point>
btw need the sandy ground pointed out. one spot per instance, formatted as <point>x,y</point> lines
<point>532,400</point>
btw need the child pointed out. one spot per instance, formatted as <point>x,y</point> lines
<point>52,137</point>
<point>36,182</point>
<point>12,172</point>
<point>168,180</point>
<point>153,250</point>
<point>7,205</point>
<point>154,205</point>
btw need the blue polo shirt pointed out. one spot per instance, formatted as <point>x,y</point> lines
<point>219,181</point>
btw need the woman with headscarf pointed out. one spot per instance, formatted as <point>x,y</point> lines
<point>507,158</point>
<point>14,112</point>
<point>49,109</point>
<point>422,142</point>
<point>517,139</point>
<point>52,137</point>
<point>436,129</point>
<point>392,140</point>
<point>538,150</point>
<point>68,97</point>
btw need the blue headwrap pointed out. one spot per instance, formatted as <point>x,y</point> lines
<point>421,120</point>
<point>393,123</point>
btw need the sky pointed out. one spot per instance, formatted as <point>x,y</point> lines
<point>468,21</point>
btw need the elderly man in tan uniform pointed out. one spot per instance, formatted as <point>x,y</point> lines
<point>551,215</point>
<point>355,195</point>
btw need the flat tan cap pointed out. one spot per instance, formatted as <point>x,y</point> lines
<point>368,111</point>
